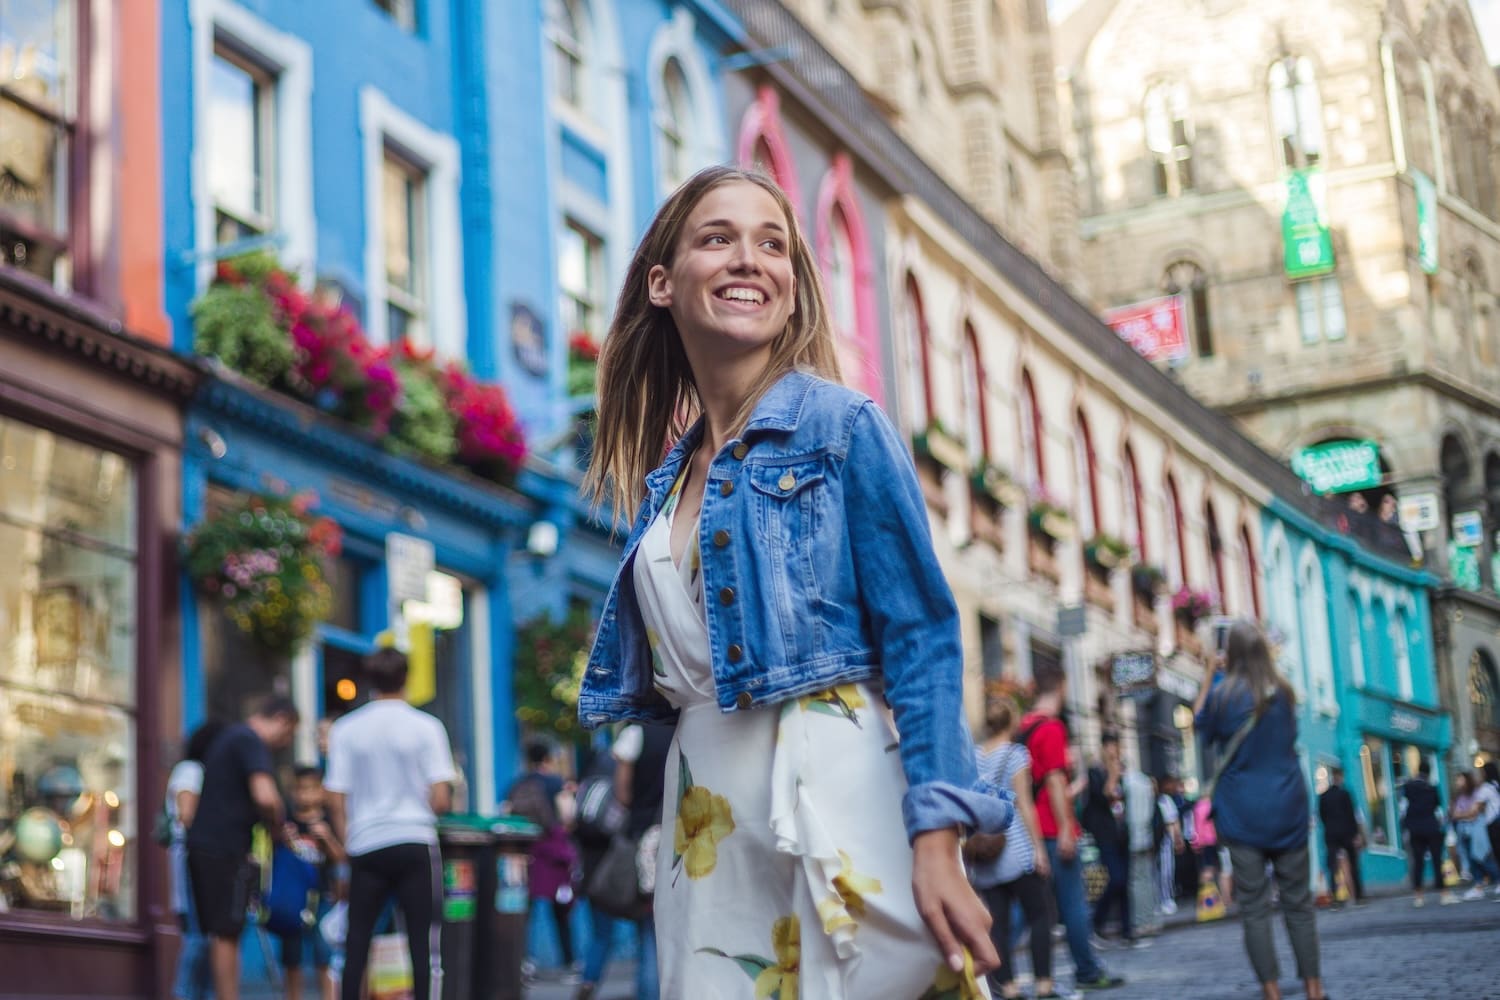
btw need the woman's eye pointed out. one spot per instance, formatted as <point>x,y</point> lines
<point>715,238</point>
<point>772,245</point>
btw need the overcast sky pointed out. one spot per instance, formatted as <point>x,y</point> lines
<point>1486,13</point>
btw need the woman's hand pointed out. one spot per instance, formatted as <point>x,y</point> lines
<point>948,904</point>
<point>1040,862</point>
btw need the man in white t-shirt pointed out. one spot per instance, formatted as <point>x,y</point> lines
<point>389,766</point>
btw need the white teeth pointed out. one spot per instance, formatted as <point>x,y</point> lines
<point>743,295</point>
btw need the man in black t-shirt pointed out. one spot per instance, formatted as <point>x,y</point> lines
<point>1341,830</point>
<point>238,791</point>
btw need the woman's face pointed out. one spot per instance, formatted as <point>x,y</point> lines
<point>731,286</point>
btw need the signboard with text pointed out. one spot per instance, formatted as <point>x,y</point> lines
<point>1339,466</point>
<point>1132,673</point>
<point>1156,328</point>
<point>1307,244</point>
<point>1419,512</point>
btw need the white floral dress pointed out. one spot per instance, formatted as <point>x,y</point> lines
<point>784,869</point>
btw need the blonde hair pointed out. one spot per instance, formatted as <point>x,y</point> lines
<point>647,398</point>
<point>1000,713</point>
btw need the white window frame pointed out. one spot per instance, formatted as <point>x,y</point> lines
<point>1293,86</point>
<point>1358,608</point>
<point>265,115</point>
<point>416,303</point>
<point>1321,289</point>
<point>583,50</point>
<point>287,60</point>
<point>1316,635</point>
<point>1282,606</point>
<point>704,134</point>
<point>383,125</point>
<point>1400,611</point>
<point>596,279</point>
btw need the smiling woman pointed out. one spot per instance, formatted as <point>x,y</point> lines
<point>778,590</point>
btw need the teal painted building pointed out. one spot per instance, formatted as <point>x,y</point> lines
<point>1355,639</point>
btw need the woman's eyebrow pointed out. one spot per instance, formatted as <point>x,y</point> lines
<point>727,224</point>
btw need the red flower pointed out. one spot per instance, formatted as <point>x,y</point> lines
<point>581,346</point>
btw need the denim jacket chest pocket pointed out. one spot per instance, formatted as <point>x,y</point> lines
<point>792,503</point>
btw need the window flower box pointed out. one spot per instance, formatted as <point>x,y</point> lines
<point>936,444</point>
<point>1049,522</point>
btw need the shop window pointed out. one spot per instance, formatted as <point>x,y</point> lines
<point>1484,690</point>
<point>569,30</point>
<point>407,268</point>
<point>39,125</point>
<point>1187,278</point>
<point>1296,112</point>
<point>1169,137</point>
<point>69,815</point>
<point>241,146</point>
<point>1383,830</point>
<point>1320,310</point>
<point>403,12</point>
<point>580,274</point>
<point>674,120</point>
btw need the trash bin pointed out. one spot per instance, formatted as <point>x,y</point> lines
<point>468,851</point>
<point>512,899</point>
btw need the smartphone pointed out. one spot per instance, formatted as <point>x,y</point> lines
<point>1221,637</point>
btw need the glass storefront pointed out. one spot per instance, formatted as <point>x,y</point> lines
<point>1385,765</point>
<point>68,815</point>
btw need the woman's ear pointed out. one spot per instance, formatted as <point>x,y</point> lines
<point>659,287</point>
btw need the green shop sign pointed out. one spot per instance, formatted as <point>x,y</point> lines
<point>1427,222</point>
<point>1307,245</point>
<point>1339,466</point>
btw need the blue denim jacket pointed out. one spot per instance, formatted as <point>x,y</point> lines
<point>819,570</point>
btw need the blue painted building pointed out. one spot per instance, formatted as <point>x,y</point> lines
<point>1356,642</point>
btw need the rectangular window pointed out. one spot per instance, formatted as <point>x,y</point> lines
<point>403,12</point>
<point>404,219</point>
<point>1373,764</point>
<point>580,273</point>
<point>67,677</point>
<point>38,123</point>
<point>241,147</point>
<point>1320,310</point>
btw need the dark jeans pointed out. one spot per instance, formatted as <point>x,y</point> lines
<point>411,874</point>
<point>1419,847</point>
<point>1073,911</point>
<point>1345,844</point>
<point>1035,896</point>
<point>1117,893</point>
<point>1253,890</point>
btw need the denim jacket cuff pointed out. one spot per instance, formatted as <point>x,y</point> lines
<point>936,805</point>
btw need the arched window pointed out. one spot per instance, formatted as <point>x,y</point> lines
<point>1032,442</point>
<point>1286,632</point>
<point>1135,506</point>
<point>1169,138</point>
<point>674,120</point>
<point>1401,650</point>
<point>1252,570</point>
<point>1187,279</point>
<point>1176,553</point>
<point>1296,112</point>
<point>763,146</point>
<point>1357,638</point>
<point>844,254</point>
<point>976,415</point>
<point>1484,690</point>
<point>570,51</point>
<point>918,375</point>
<point>839,261</point>
<point>1318,649</point>
<point>1085,479</point>
<point>1216,553</point>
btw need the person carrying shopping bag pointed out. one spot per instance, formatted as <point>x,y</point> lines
<point>1260,802</point>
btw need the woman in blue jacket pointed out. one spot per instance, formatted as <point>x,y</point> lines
<point>1260,803</point>
<point>778,591</point>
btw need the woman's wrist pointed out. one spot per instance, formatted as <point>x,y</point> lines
<point>945,839</point>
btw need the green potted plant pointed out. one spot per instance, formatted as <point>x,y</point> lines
<point>550,660</point>
<point>994,482</point>
<point>1147,581</point>
<point>264,557</point>
<point>937,444</point>
<point>1105,552</point>
<point>1049,520</point>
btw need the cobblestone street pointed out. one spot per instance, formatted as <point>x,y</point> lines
<point>1386,950</point>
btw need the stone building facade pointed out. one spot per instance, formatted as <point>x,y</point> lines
<point>1195,128</point>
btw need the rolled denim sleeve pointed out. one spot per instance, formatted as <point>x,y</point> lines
<point>914,625</point>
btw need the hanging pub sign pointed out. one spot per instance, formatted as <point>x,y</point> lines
<point>1133,673</point>
<point>1339,466</point>
<point>1306,243</point>
<point>1156,328</point>
<point>1427,222</point>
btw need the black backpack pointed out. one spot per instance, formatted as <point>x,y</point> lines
<point>529,799</point>
<point>600,814</point>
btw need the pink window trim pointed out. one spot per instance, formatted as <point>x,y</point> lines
<point>762,123</point>
<point>836,194</point>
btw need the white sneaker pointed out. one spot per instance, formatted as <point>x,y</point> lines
<point>1419,902</point>
<point>1169,906</point>
<point>1474,892</point>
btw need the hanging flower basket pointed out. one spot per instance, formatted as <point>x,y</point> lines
<point>937,444</point>
<point>1048,520</point>
<point>1191,605</point>
<point>992,481</point>
<point>1147,581</point>
<point>1106,552</point>
<point>264,557</point>
<point>550,660</point>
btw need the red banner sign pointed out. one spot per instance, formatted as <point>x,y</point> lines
<point>1156,328</point>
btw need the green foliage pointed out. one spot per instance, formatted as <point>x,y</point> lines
<point>549,664</point>
<point>238,325</point>
<point>423,424</point>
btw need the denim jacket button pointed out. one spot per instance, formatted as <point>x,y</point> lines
<point>726,488</point>
<point>786,482</point>
<point>736,652</point>
<point>726,596</point>
<point>743,700</point>
<point>741,450</point>
<point>721,538</point>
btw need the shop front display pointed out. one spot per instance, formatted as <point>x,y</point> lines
<point>1394,739</point>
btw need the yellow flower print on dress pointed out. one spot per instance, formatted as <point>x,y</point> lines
<point>950,985</point>
<point>843,701</point>
<point>703,819</point>
<point>847,906</point>
<point>774,979</point>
